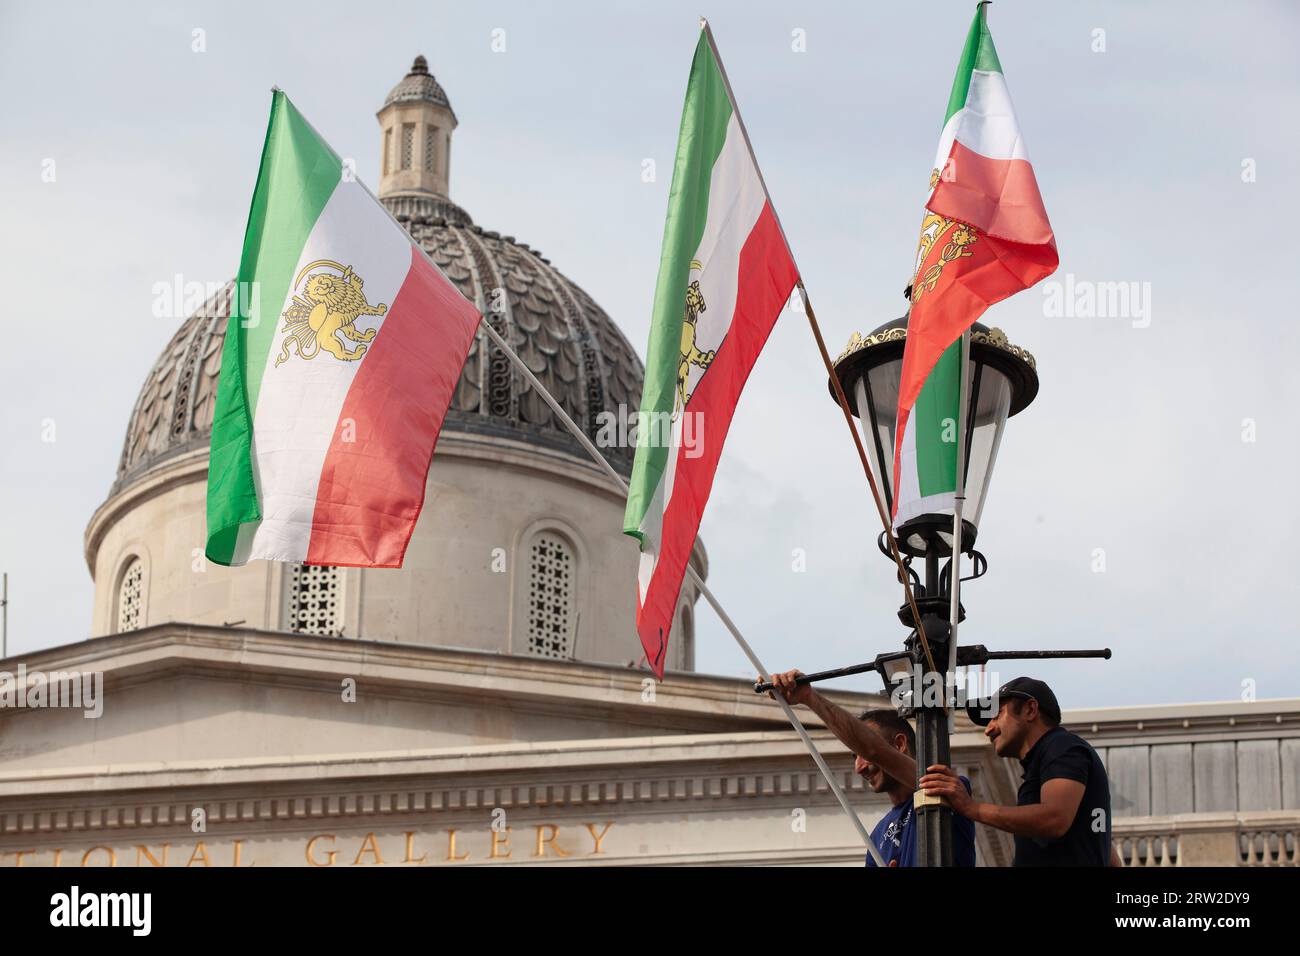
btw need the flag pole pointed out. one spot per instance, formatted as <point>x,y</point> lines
<point>600,459</point>
<point>959,501</point>
<point>866,469</point>
<point>826,358</point>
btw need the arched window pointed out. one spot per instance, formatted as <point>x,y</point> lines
<point>313,600</point>
<point>552,568</point>
<point>130,596</point>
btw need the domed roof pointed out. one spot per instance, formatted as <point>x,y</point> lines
<point>566,339</point>
<point>418,85</point>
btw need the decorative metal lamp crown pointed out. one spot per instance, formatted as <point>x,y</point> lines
<point>1003,381</point>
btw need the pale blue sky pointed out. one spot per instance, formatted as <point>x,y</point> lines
<point>1133,446</point>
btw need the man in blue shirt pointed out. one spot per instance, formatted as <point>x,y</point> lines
<point>885,746</point>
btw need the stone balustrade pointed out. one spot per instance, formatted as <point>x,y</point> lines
<point>1250,838</point>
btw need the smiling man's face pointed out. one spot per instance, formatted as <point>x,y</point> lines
<point>871,773</point>
<point>876,778</point>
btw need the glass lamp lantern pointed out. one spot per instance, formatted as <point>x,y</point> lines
<point>1002,381</point>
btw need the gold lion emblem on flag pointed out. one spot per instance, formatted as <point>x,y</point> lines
<point>328,307</point>
<point>692,355</point>
<point>934,229</point>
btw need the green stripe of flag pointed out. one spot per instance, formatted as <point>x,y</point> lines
<point>705,116</point>
<point>936,420</point>
<point>978,54</point>
<point>297,175</point>
<point>939,400</point>
<point>933,429</point>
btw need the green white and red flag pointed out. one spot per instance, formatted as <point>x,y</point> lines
<point>343,347</point>
<point>985,236</point>
<point>724,276</point>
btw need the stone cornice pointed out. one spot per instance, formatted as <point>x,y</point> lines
<point>686,700</point>
<point>556,758</point>
<point>638,774</point>
<point>174,472</point>
<point>1174,824</point>
<point>399,668</point>
<point>1180,723</point>
<point>527,458</point>
<point>192,466</point>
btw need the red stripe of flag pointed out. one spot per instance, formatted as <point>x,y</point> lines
<point>999,197</point>
<point>766,278</point>
<point>372,487</point>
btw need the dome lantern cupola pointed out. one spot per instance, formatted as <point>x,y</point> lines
<point>416,122</point>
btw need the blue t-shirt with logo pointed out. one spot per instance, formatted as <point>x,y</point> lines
<point>895,836</point>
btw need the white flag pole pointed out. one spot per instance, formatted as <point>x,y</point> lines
<point>599,459</point>
<point>959,500</point>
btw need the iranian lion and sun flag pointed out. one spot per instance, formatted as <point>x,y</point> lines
<point>337,375</point>
<point>724,276</point>
<point>984,237</point>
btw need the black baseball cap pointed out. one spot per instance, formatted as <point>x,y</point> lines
<point>982,710</point>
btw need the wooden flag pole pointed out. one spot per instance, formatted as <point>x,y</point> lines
<point>959,501</point>
<point>600,460</point>
<point>866,468</point>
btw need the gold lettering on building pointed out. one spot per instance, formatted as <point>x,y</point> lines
<point>410,849</point>
<point>500,838</point>
<point>368,845</point>
<point>311,844</point>
<point>544,841</point>
<point>112,855</point>
<point>373,848</point>
<point>200,853</point>
<point>591,828</point>
<point>451,848</point>
<point>142,853</point>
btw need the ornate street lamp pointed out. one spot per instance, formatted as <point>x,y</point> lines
<point>1002,382</point>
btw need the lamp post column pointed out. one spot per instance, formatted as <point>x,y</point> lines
<point>934,823</point>
<point>934,817</point>
<point>1000,381</point>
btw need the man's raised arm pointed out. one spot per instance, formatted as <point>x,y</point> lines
<point>853,733</point>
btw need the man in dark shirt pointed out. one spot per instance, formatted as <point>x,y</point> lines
<point>1062,812</point>
<point>885,746</point>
